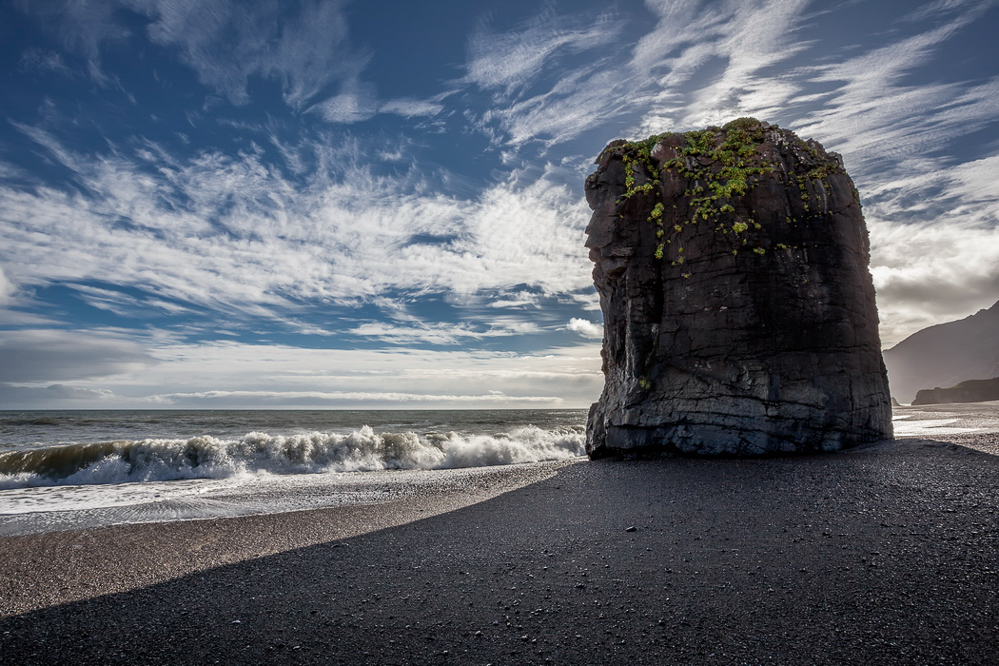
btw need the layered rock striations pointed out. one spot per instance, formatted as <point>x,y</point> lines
<point>739,313</point>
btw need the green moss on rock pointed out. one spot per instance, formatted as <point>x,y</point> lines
<point>720,166</point>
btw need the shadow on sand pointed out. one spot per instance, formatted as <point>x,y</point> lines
<point>885,554</point>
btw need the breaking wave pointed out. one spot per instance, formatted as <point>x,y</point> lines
<point>207,457</point>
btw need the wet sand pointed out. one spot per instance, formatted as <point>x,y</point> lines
<point>887,554</point>
<point>40,570</point>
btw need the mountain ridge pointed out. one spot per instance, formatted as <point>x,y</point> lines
<point>945,355</point>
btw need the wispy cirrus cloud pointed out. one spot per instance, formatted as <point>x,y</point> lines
<point>347,108</point>
<point>705,63</point>
<point>226,43</point>
<point>877,117</point>
<point>511,61</point>
<point>437,333</point>
<point>542,97</point>
<point>232,233</point>
<point>124,304</point>
<point>305,46</point>
<point>44,60</point>
<point>83,27</point>
<point>408,107</point>
<point>535,92</point>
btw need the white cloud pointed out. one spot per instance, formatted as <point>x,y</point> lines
<point>935,10</point>
<point>232,234</point>
<point>7,289</point>
<point>346,108</point>
<point>44,60</point>
<point>409,108</point>
<point>585,328</point>
<point>516,68</point>
<point>744,39</point>
<point>580,101</point>
<point>681,22</point>
<point>518,299</point>
<point>442,334</point>
<point>227,42</point>
<point>512,60</point>
<point>747,37</point>
<point>927,274</point>
<point>170,374</point>
<point>875,119</point>
<point>83,27</point>
<point>304,46</point>
<point>124,304</point>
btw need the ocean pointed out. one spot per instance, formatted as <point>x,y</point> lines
<point>70,469</point>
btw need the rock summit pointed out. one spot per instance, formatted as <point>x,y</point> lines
<point>739,312</point>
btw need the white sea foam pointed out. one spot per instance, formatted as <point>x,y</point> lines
<point>35,510</point>
<point>930,427</point>
<point>256,453</point>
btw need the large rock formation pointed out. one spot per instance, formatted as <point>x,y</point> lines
<point>739,313</point>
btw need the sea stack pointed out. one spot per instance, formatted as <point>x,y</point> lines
<point>739,312</point>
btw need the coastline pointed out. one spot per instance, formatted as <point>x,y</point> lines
<point>881,554</point>
<point>39,570</point>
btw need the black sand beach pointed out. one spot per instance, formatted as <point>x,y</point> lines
<point>888,554</point>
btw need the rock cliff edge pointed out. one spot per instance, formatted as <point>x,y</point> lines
<point>739,312</point>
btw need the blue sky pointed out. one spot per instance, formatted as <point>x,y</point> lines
<point>210,203</point>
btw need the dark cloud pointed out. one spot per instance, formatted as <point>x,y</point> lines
<point>35,356</point>
<point>34,397</point>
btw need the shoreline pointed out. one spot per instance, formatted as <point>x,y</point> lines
<point>136,503</point>
<point>881,554</point>
<point>49,568</point>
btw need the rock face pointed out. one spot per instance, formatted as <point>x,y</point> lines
<point>973,390</point>
<point>739,313</point>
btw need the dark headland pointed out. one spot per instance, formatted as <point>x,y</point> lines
<point>971,390</point>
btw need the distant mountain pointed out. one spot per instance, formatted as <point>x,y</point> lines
<point>945,355</point>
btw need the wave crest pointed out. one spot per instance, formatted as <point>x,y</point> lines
<point>207,457</point>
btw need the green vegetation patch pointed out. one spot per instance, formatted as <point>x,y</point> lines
<point>720,164</point>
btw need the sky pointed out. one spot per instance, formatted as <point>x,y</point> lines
<point>379,203</point>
